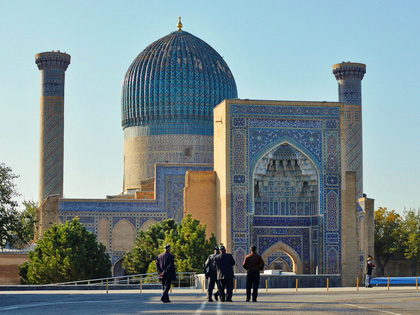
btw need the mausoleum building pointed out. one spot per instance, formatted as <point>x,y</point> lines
<point>286,176</point>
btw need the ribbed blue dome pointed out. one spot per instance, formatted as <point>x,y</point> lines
<point>177,79</point>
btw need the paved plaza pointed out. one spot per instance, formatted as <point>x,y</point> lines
<point>378,300</point>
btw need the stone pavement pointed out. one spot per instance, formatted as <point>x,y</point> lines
<point>378,300</point>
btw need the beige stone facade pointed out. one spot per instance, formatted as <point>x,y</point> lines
<point>141,152</point>
<point>9,263</point>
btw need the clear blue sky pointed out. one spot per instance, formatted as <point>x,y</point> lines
<point>279,50</point>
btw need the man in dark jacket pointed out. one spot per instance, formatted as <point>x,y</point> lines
<point>253,263</point>
<point>224,266</point>
<point>210,272</point>
<point>166,270</point>
<point>369,268</point>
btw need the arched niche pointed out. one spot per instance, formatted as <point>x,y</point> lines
<point>117,268</point>
<point>145,226</point>
<point>103,232</point>
<point>286,182</point>
<point>239,258</point>
<point>123,236</point>
<point>279,261</point>
<point>280,246</point>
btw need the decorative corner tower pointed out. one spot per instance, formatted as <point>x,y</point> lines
<point>52,66</point>
<point>349,76</point>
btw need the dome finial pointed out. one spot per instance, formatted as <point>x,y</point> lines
<point>179,25</point>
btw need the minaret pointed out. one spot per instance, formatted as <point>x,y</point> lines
<point>349,76</point>
<point>51,149</point>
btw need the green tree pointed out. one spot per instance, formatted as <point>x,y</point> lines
<point>24,226</point>
<point>8,212</point>
<point>388,239</point>
<point>189,245</point>
<point>66,253</point>
<point>147,246</point>
<point>411,237</point>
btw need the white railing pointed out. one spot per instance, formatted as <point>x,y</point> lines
<point>184,279</point>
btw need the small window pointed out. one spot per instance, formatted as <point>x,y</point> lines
<point>187,152</point>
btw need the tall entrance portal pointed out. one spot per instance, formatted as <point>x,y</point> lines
<point>282,189</point>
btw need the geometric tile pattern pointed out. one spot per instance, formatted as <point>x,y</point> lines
<point>170,181</point>
<point>349,77</point>
<point>52,66</point>
<point>168,96</point>
<point>142,152</point>
<point>177,79</point>
<point>312,133</point>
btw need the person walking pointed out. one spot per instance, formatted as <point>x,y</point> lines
<point>210,272</point>
<point>253,263</point>
<point>369,268</point>
<point>224,265</point>
<point>165,266</point>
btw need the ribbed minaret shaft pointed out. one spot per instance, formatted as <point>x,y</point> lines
<point>349,76</point>
<point>51,150</point>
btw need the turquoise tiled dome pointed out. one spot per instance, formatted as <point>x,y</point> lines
<point>173,85</point>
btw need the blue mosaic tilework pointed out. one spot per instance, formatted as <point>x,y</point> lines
<point>333,260</point>
<point>52,148</point>
<point>350,92</point>
<point>349,77</point>
<point>333,238</point>
<point>132,220</point>
<point>174,197</point>
<point>161,204</point>
<point>297,238</point>
<point>52,83</point>
<point>280,255</point>
<point>86,220</point>
<point>239,204</point>
<point>285,123</point>
<point>315,132</point>
<point>285,221</point>
<point>177,77</point>
<point>283,208</point>
<point>332,152</point>
<point>332,210</point>
<point>168,204</point>
<point>261,139</point>
<point>52,66</point>
<point>239,179</point>
<point>239,151</point>
<point>298,111</point>
<point>239,259</point>
<point>181,126</point>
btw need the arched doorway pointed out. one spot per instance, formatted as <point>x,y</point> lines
<point>117,269</point>
<point>280,260</point>
<point>280,247</point>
